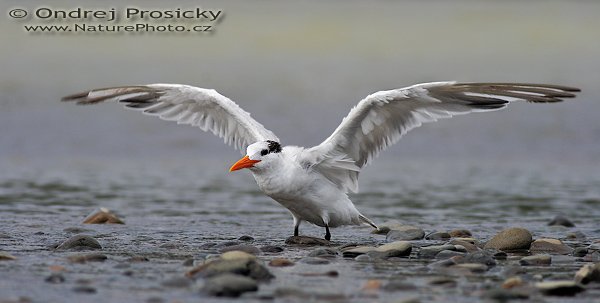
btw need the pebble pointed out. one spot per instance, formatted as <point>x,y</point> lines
<point>55,278</point>
<point>271,249</point>
<point>281,262</point>
<point>229,285</point>
<point>576,235</point>
<point>102,216</point>
<point>323,253</point>
<point>588,273</point>
<point>394,249</point>
<point>445,281</point>
<point>87,258</point>
<point>559,288</point>
<point>505,295</point>
<point>405,233</point>
<point>4,256</point>
<point>79,242</point>
<point>237,255</point>
<point>386,227</point>
<point>429,252</point>
<point>512,282</point>
<point>469,247</point>
<point>484,257</point>
<point>84,289</point>
<point>592,257</point>
<point>242,247</point>
<point>580,252</point>
<point>246,238</point>
<point>562,221</point>
<point>188,262</point>
<point>472,267</point>
<point>550,246</point>
<point>460,233</point>
<point>356,251</point>
<point>536,260</point>
<point>306,241</point>
<point>447,254</point>
<point>513,238</point>
<point>246,267</point>
<point>438,235</point>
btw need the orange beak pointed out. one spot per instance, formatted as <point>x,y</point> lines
<point>244,162</point>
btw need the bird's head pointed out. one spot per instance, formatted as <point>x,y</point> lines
<point>258,155</point>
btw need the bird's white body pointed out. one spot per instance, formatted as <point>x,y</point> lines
<point>307,194</point>
<point>313,183</point>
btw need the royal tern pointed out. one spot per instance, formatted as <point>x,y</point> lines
<point>313,183</point>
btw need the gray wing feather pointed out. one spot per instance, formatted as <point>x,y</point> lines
<point>382,118</point>
<point>200,107</point>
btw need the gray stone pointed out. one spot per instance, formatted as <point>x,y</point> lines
<point>469,247</point>
<point>272,249</point>
<point>356,251</point>
<point>87,258</point>
<point>245,267</point>
<point>481,257</point>
<point>580,252</point>
<point>588,273</point>
<point>86,289</point>
<point>472,267</point>
<point>55,278</point>
<point>188,262</point>
<point>79,242</point>
<point>394,249</point>
<point>246,238</point>
<point>306,241</point>
<point>242,247</point>
<point>323,253</point>
<point>559,288</point>
<point>405,233</point>
<point>429,252</point>
<point>553,246</point>
<point>513,238</point>
<point>446,254</point>
<point>229,285</point>
<point>562,221</point>
<point>438,235</point>
<point>460,233</point>
<point>536,260</point>
<point>505,295</point>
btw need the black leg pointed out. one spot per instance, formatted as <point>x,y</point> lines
<point>296,230</point>
<point>327,234</point>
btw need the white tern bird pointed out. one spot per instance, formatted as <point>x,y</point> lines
<point>313,183</point>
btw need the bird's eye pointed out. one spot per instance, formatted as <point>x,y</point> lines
<point>264,152</point>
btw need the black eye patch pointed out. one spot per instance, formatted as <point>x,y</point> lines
<point>264,152</point>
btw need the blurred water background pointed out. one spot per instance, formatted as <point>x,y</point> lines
<point>298,67</point>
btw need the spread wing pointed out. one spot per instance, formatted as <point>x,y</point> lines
<point>204,108</point>
<point>382,118</point>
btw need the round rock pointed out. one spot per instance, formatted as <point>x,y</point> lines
<point>242,247</point>
<point>536,260</point>
<point>405,233</point>
<point>588,273</point>
<point>79,242</point>
<point>559,288</point>
<point>513,238</point>
<point>561,221</point>
<point>229,285</point>
<point>553,246</point>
